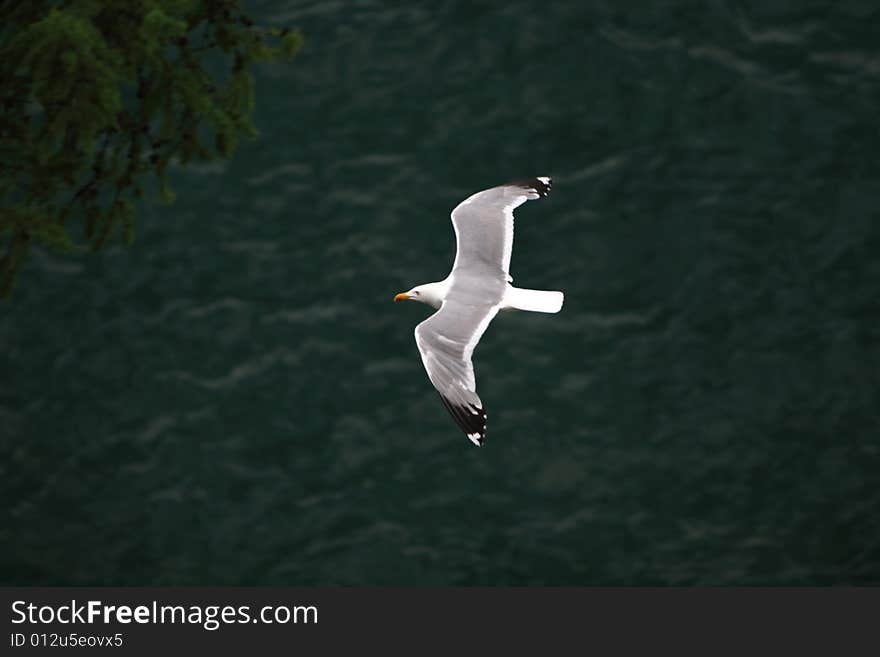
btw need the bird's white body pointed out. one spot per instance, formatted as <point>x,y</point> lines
<point>515,298</point>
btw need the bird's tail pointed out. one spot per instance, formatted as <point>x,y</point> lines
<point>538,301</point>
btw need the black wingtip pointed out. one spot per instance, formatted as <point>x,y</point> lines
<point>471,420</point>
<point>540,185</point>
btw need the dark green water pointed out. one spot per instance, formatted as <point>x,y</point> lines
<point>235,400</point>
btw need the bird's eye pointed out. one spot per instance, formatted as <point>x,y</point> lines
<point>415,294</point>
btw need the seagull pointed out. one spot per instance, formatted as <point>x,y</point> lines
<point>478,286</point>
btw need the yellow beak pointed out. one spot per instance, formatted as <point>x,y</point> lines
<point>403,296</point>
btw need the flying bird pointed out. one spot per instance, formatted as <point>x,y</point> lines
<point>478,286</point>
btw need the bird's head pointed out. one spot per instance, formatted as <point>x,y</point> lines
<point>429,293</point>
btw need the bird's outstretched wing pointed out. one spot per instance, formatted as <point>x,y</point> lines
<point>483,224</point>
<point>446,341</point>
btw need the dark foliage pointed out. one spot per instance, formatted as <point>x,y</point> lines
<point>99,96</point>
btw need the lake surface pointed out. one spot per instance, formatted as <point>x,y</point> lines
<point>236,400</point>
